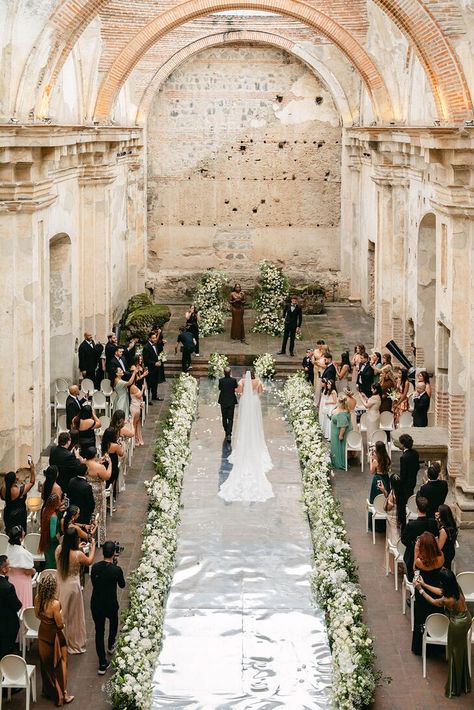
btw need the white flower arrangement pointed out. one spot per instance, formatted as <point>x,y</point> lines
<point>162,357</point>
<point>140,639</point>
<point>209,303</point>
<point>264,366</point>
<point>270,297</point>
<point>216,365</point>
<point>335,579</point>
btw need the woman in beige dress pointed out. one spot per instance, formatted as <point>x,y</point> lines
<point>69,558</point>
<point>97,475</point>
<point>359,350</point>
<point>136,406</point>
<point>319,367</point>
<point>373,409</point>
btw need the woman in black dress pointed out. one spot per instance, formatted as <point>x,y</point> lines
<point>85,424</point>
<point>14,494</point>
<point>448,533</point>
<point>192,324</point>
<point>428,564</point>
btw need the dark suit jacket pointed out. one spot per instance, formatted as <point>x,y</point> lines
<point>72,408</point>
<point>409,467</point>
<point>150,356</point>
<point>80,494</point>
<point>412,530</point>
<point>68,465</point>
<point>10,605</point>
<point>435,492</point>
<point>308,363</point>
<point>420,410</point>
<point>87,357</point>
<point>109,351</point>
<point>329,373</point>
<point>114,364</point>
<point>293,319</point>
<point>227,387</point>
<point>365,378</point>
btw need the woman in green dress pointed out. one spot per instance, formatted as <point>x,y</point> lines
<point>50,530</point>
<point>340,427</point>
<point>452,599</point>
<point>122,400</point>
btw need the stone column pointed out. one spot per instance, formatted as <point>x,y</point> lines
<point>383,262</point>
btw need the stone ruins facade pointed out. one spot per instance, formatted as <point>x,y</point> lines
<point>141,141</point>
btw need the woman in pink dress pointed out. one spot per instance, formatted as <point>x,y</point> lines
<point>22,566</point>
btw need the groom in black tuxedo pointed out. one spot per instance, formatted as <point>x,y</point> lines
<point>227,400</point>
<point>293,317</point>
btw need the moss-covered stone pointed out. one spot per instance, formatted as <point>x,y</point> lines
<point>139,300</point>
<point>312,296</point>
<point>140,321</point>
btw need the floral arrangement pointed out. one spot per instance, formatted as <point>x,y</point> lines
<point>140,640</point>
<point>208,301</point>
<point>216,365</point>
<point>264,366</point>
<point>335,578</point>
<point>162,357</point>
<point>270,297</point>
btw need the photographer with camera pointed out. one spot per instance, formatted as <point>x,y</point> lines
<point>105,577</point>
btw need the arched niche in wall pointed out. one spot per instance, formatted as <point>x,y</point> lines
<point>60,308</point>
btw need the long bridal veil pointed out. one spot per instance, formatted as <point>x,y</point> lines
<point>250,458</point>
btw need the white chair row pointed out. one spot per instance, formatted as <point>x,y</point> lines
<point>16,673</point>
<point>436,633</point>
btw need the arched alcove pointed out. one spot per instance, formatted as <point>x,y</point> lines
<point>425,328</point>
<point>60,307</point>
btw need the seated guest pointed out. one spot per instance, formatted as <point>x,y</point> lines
<point>428,560</point>
<point>380,464</point>
<point>50,484</point>
<point>81,494</point>
<point>73,404</point>
<point>413,529</point>
<point>10,605</point>
<point>22,566</point>
<point>409,465</point>
<point>448,533</point>
<point>434,490</point>
<point>86,422</point>
<point>50,530</point>
<point>308,366</point>
<point>67,462</point>
<point>421,404</point>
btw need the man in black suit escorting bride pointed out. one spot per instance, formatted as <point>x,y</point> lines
<point>227,400</point>
<point>293,317</point>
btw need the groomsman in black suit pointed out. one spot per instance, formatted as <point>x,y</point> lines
<point>409,465</point>
<point>73,404</point>
<point>69,465</point>
<point>87,357</point>
<point>308,366</point>
<point>80,494</point>
<point>152,364</point>
<point>365,377</point>
<point>10,605</point>
<point>227,400</point>
<point>109,351</point>
<point>421,404</point>
<point>329,372</point>
<point>117,361</point>
<point>293,317</point>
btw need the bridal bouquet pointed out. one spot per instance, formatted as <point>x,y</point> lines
<point>270,297</point>
<point>264,366</point>
<point>335,578</point>
<point>140,640</point>
<point>162,357</point>
<point>208,300</point>
<point>216,365</point>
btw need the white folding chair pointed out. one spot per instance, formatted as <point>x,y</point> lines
<point>61,385</point>
<point>466,582</point>
<point>31,543</point>
<point>363,422</point>
<point>99,402</point>
<point>397,551</point>
<point>16,673</point>
<point>435,633</point>
<point>30,628</point>
<point>405,421</point>
<point>378,435</point>
<point>407,586</point>
<point>469,647</point>
<point>59,405</point>
<point>87,386</point>
<point>354,443</point>
<point>3,543</point>
<point>412,510</point>
<point>378,513</point>
<point>386,421</point>
<point>107,390</point>
<point>109,498</point>
<point>104,423</point>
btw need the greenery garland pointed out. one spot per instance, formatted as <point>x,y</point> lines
<point>335,581</point>
<point>209,302</point>
<point>140,639</point>
<point>270,296</point>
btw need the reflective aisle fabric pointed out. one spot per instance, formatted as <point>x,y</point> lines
<point>240,629</point>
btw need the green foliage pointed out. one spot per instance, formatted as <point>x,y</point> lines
<point>140,321</point>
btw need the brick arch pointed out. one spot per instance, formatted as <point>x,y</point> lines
<point>186,11</point>
<point>266,38</point>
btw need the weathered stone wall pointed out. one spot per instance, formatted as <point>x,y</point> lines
<point>244,154</point>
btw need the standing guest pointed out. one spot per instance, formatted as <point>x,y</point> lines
<point>160,346</point>
<point>112,449</point>
<point>50,484</point>
<point>68,560</point>
<point>409,464</point>
<point>105,577</point>
<point>421,404</point>
<point>52,647</point>
<point>395,507</point>
<point>185,338</point>
<point>14,494</point>
<point>71,520</point>
<point>388,384</point>
<point>340,427</point>
<point>109,350</point>
<point>373,409</point>
<point>326,406</point>
<point>121,387</point>
<point>292,319</point>
<point>152,363</point>
<point>87,357</point>
<point>73,404</point>
<point>227,400</point>
<point>68,463</point>
<point>344,368</point>
<point>136,405</point>
<point>447,595</point>
<point>425,378</point>
<point>308,366</point>
<point>82,496</point>
<point>192,324</point>
<point>380,464</point>
<point>386,360</point>
<point>428,562</point>
<point>10,605</point>
<point>22,566</point>
<point>400,405</point>
<point>375,362</point>
<point>141,371</point>
<point>237,307</point>
<point>85,423</point>
<point>448,533</point>
<point>118,361</point>
<point>351,406</point>
<point>434,490</point>
<point>319,364</point>
<point>413,529</point>
<point>50,531</point>
<point>97,475</point>
<point>100,370</point>
<point>365,376</point>
<point>359,352</point>
<point>130,351</point>
<point>329,372</point>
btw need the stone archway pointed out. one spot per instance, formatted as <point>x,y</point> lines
<point>425,326</point>
<point>61,342</point>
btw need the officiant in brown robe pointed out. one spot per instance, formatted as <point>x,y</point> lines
<point>237,305</point>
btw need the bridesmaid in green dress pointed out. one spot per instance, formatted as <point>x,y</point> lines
<point>122,400</point>
<point>50,530</point>
<point>340,427</point>
<point>452,599</point>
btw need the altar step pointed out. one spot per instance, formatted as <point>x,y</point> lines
<point>285,366</point>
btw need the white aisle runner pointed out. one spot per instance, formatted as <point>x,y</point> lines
<point>240,628</point>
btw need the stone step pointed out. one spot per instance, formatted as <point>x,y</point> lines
<point>284,366</point>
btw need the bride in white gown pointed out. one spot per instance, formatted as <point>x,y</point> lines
<point>250,458</point>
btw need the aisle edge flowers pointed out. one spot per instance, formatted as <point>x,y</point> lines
<point>335,581</point>
<point>140,639</point>
<point>264,366</point>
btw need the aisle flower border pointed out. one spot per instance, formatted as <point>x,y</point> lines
<point>264,366</point>
<point>335,581</point>
<point>209,302</point>
<point>140,638</point>
<point>270,297</point>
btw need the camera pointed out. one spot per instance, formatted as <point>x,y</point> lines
<point>118,548</point>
